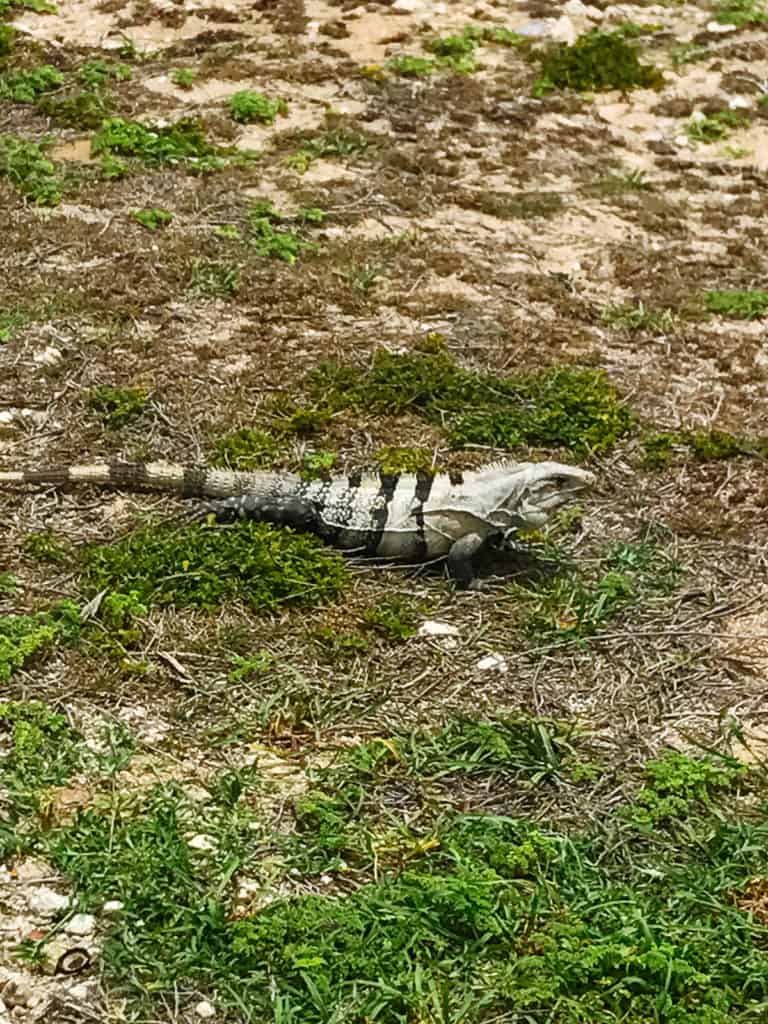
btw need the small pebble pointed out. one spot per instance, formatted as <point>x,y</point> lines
<point>205,1010</point>
<point>433,628</point>
<point>201,842</point>
<point>81,924</point>
<point>112,907</point>
<point>493,663</point>
<point>45,901</point>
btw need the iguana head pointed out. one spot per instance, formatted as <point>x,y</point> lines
<point>527,493</point>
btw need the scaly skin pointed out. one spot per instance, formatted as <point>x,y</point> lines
<point>403,517</point>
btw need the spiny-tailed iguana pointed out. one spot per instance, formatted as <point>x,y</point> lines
<point>407,517</point>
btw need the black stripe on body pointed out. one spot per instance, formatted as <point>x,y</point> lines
<point>130,475</point>
<point>58,476</point>
<point>456,477</point>
<point>380,511</point>
<point>422,492</point>
<point>354,480</point>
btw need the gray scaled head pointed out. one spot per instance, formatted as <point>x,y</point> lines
<point>545,487</point>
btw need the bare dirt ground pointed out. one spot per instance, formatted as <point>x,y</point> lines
<point>505,222</point>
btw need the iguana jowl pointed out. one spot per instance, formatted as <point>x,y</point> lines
<point>406,517</point>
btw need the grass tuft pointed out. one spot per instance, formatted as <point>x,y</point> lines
<point>595,62</point>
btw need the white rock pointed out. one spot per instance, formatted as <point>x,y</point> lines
<point>201,842</point>
<point>85,992</point>
<point>682,141</point>
<point>409,6</point>
<point>564,31</point>
<point>112,907</point>
<point>205,1010</point>
<point>581,10</point>
<point>493,663</point>
<point>716,26</point>
<point>698,115</point>
<point>31,870</point>
<point>45,901</point>
<point>433,628</point>
<point>739,103</point>
<point>80,924</point>
<point>48,356</point>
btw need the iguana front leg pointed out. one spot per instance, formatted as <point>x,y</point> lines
<point>461,557</point>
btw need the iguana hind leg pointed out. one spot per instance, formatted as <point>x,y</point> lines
<point>461,557</point>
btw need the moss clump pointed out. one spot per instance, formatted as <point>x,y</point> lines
<point>152,218</point>
<point>183,143</point>
<point>596,61</point>
<point>30,171</point>
<point>391,459</point>
<point>26,86</point>
<point>202,566</point>
<point>117,406</point>
<point>77,110</point>
<point>248,106</point>
<point>661,448</point>
<point>246,448</point>
<point>560,407</point>
<point>739,305</point>
<point>24,636</point>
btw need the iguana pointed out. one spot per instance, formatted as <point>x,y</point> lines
<point>404,517</point>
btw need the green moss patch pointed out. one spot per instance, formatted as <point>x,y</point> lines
<point>246,448</point>
<point>661,448</point>
<point>23,637</point>
<point>561,407</point>
<point>30,171</point>
<point>248,106</point>
<point>117,406</point>
<point>26,86</point>
<point>183,143</point>
<point>595,62</point>
<point>203,566</point>
<point>738,305</point>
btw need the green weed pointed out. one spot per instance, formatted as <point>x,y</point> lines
<point>715,127</point>
<point>660,448</point>
<point>248,106</point>
<point>560,407</point>
<point>404,460</point>
<point>10,321</point>
<point>741,12</point>
<point>117,406</point>
<point>639,317</point>
<point>619,182</point>
<point>86,109</point>
<point>247,448</point>
<point>23,637</point>
<point>334,143</point>
<point>152,218</point>
<point>185,78</point>
<point>676,782</point>
<point>408,66</point>
<point>362,277</point>
<point>739,305</point>
<point>203,566</point>
<point>183,143</point>
<point>595,62</point>
<point>30,171</point>
<point>97,73</point>
<point>7,39</point>
<point>317,465</point>
<point>27,86</point>
<point>270,241</point>
<point>45,547</point>
<point>572,606</point>
<point>215,279</point>
<point>394,618</point>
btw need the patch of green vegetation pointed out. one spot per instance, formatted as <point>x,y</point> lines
<point>660,448</point>
<point>215,279</point>
<point>408,66</point>
<point>739,305</point>
<point>152,218</point>
<point>247,448</point>
<point>86,109</point>
<point>45,547</point>
<point>639,317</point>
<point>688,53</point>
<point>27,86</point>
<point>268,241</point>
<point>39,6</point>
<point>30,171</point>
<point>250,667</point>
<point>362,277</point>
<point>248,106</point>
<point>22,637</point>
<point>185,78</point>
<point>562,406</point>
<point>595,62</point>
<point>10,320</point>
<point>454,52</point>
<point>394,618</point>
<point>443,914</point>
<point>573,606</point>
<point>7,39</point>
<point>117,406</point>
<point>391,459</point>
<point>619,182</point>
<point>97,73</point>
<point>715,127</point>
<point>203,566</point>
<point>741,12</point>
<point>183,143</point>
<point>334,143</point>
<point>676,782</point>
<point>317,465</point>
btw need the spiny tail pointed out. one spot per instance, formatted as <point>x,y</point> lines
<point>185,481</point>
